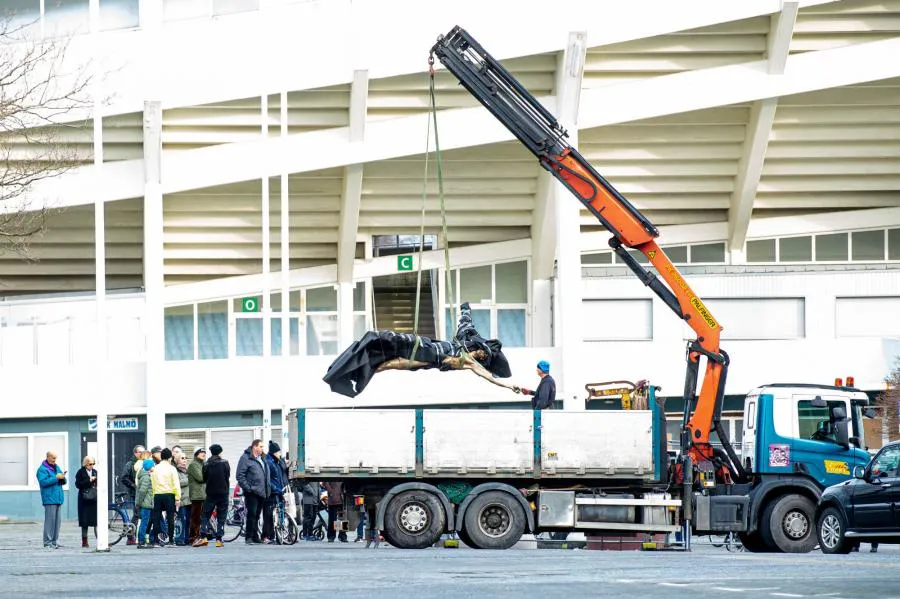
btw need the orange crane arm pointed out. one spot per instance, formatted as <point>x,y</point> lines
<point>538,130</point>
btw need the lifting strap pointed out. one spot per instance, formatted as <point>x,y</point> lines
<point>440,178</point>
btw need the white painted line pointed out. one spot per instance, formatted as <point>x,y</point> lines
<point>741,590</point>
<point>785,595</point>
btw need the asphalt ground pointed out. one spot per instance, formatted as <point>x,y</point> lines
<point>349,571</point>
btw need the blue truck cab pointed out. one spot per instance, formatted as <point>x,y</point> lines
<point>798,439</point>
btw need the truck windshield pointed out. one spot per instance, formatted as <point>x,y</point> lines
<point>817,423</point>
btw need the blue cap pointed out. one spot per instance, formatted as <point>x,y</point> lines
<point>148,464</point>
<point>544,366</point>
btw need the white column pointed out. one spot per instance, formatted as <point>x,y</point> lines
<point>285,247</point>
<point>266,244</point>
<point>351,197</point>
<point>568,289</point>
<point>543,261</point>
<point>154,312</point>
<point>102,342</point>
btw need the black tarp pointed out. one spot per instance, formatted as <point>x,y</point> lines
<point>353,369</point>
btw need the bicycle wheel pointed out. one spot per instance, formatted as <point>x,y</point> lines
<point>234,523</point>
<point>117,526</point>
<point>291,531</point>
<point>733,543</point>
<point>716,541</point>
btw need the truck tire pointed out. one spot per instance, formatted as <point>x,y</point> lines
<point>830,531</point>
<point>787,524</point>
<point>494,520</point>
<point>414,520</point>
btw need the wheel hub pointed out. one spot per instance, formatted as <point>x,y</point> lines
<point>796,525</point>
<point>831,531</point>
<point>413,518</point>
<point>494,521</point>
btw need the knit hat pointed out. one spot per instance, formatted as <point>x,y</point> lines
<point>215,449</point>
<point>199,451</point>
<point>156,449</point>
<point>544,366</point>
<point>148,464</point>
<point>274,447</point>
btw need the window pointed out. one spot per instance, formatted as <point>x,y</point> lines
<point>212,330</point>
<point>708,253</point>
<point>119,14</point>
<point>795,249</point>
<point>893,244</point>
<point>179,332</point>
<point>817,424</point>
<point>867,245</point>
<point>600,258</point>
<point>20,13</point>
<point>887,463</point>
<point>831,248</point>
<point>618,320</point>
<point>761,250</point>
<point>21,455</point>
<point>867,316</point>
<point>498,295</point>
<point>757,317</point>
<point>176,10</point>
<point>189,442</point>
<point>678,254</point>
<point>64,17</point>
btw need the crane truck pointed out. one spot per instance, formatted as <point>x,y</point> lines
<point>492,476</point>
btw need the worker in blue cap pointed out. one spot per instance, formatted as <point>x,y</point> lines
<point>545,394</point>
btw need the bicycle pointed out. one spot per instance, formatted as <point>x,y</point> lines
<point>120,524</point>
<point>731,541</point>
<point>286,530</point>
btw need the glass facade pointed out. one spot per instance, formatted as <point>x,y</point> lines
<point>498,296</point>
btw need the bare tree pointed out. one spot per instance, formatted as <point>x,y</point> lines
<point>889,403</point>
<point>38,100</point>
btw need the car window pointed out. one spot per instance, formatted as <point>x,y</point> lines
<point>815,423</point>
<point>887,462</point>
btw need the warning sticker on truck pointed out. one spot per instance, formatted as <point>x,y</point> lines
<point>837,467</point>
<point>779,455</point>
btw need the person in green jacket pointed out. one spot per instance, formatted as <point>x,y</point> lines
<point>143,500</point>
<point>196,492</point>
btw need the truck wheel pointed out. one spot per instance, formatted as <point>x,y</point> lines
<point>414,520</point>
<point>787,524</point>
<point>494,520</point>
<point>830,531</point>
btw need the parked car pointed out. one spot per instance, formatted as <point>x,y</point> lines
<point>864,508</point>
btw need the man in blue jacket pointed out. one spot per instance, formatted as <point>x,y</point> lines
<point>51,479</point>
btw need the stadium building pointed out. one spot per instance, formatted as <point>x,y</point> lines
<point>248,201</point>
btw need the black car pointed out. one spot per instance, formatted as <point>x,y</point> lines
<point>865,508</point>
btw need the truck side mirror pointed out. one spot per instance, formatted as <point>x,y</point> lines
<point>842,433</point>
<point>818,402</point>
<point>839,413</point>
<point>859,472</point>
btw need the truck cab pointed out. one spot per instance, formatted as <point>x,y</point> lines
<point>793,428</point>
<point>798,439</point>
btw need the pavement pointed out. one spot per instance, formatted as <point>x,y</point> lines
<point>319,569</point>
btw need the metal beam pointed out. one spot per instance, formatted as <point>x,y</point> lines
<point>353,176</point>
<point>759,130</point>
<point>392,138</point>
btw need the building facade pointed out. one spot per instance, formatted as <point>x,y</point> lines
<point>257,188</point>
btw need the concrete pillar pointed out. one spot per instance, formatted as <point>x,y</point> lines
<point>154,313</point>
<point>567,305</point>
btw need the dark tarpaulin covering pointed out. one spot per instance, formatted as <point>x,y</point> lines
<point>353,369</point>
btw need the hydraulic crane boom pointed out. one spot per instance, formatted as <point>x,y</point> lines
<point>538,130</point>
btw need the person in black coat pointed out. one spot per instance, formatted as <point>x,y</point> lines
<point>85,480</point>
<point>217,476</point>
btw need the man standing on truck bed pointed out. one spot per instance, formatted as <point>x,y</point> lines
<point>545,394</point>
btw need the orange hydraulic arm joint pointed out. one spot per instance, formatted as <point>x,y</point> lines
<point>538,130</point>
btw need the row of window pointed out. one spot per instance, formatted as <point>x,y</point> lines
<point>745,318</point>
<point>876,245</point>
<point>857,246</point>
<point>56,16</point>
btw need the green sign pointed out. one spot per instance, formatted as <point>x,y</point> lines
<point>404,263</point>
<point>250,304</point>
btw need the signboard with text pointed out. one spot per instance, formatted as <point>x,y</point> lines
<point>116,424</point>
